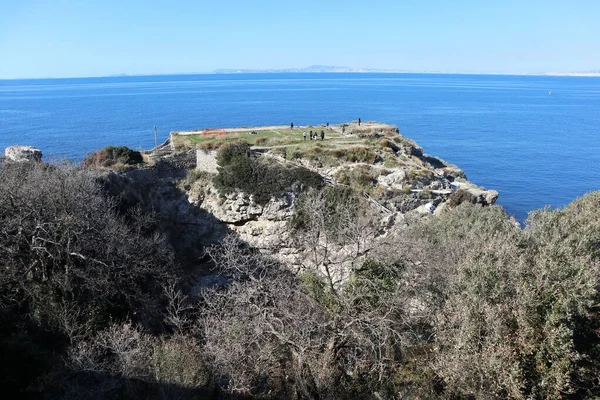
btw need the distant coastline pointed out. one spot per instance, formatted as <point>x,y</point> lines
<point>324,69</point>
<point>336,69</point>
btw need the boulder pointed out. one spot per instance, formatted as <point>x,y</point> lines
<point>483,197</point>
<point>23,153</point>
<point>428,208</point>
<point>395,179</point>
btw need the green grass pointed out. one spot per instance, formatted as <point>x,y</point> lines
<point>271,136</point>
<point>334,150</point>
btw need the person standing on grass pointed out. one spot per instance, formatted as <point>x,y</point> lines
<point>292,125</point>
<point>304,134</point>
<point>322,135</point>
<point>359,122</point>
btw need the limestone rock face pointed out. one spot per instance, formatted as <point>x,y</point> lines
<point>238,208</point>
<point>23,153</point>
<point>451,172</point>
<point>396,179</point>
<point>262,226</point>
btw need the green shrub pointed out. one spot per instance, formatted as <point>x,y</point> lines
<point>515,311</point>
<point>233,150</point>
<point>240,170</point>
<point>198,175</point>
<point>113,155</point>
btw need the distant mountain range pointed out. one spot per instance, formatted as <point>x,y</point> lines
<point>335,69</point>
<point>312,68</point>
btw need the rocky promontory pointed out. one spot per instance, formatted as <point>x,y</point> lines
<point>391,173</point>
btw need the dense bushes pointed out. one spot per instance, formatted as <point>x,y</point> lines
<point>513,312</point>
<point>70,265</point>
<point>63,245</point>
<point>240,170</point>
<point>111,156</point>
<point>266,335</point>
<point>489,310</point>
<point>463,305</point>
<point>335,207</point>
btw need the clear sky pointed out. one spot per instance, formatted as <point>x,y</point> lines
<point>69,38</point>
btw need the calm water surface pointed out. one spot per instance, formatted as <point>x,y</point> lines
<point>506,132</point>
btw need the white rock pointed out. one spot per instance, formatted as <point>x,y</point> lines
<point>23,153</point>
<point>395,179</point>
<point>428,208</point>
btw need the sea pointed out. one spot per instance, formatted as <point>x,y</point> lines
<point>535,139</point>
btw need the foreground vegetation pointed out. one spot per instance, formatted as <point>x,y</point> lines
<point>462,305</point>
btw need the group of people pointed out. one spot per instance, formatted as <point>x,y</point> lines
<point>314,136</point>
<point>292,124</point>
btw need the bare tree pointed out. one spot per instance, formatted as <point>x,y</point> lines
<point>68,256</point>
<point>268,332</point>
<point>336,230</point>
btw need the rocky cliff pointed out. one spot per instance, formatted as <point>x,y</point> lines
<point>392,173</point>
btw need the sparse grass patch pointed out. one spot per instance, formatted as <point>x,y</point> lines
<point>425,194</point>
<point>355,154</point>
<point>280,151</point>
<point>420,175</point>
<point>198,175</point>
<point>387,145</point>
<point>209,146</point>
<point>360,176</point>
<point>363,131</point>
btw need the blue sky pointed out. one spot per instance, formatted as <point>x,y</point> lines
<point>68,38</point>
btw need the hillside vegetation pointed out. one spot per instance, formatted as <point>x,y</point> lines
<point>373,158</point>
<point>461,305</point>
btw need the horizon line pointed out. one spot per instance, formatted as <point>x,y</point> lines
<point>233,71</point>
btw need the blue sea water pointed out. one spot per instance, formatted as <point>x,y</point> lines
<point>506,132</point>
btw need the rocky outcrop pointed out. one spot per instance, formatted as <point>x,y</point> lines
<point>396,179</point>
<point>401,182</point>
<point>484,197</point>
<point>23,154</point>
<point>263,226</point>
